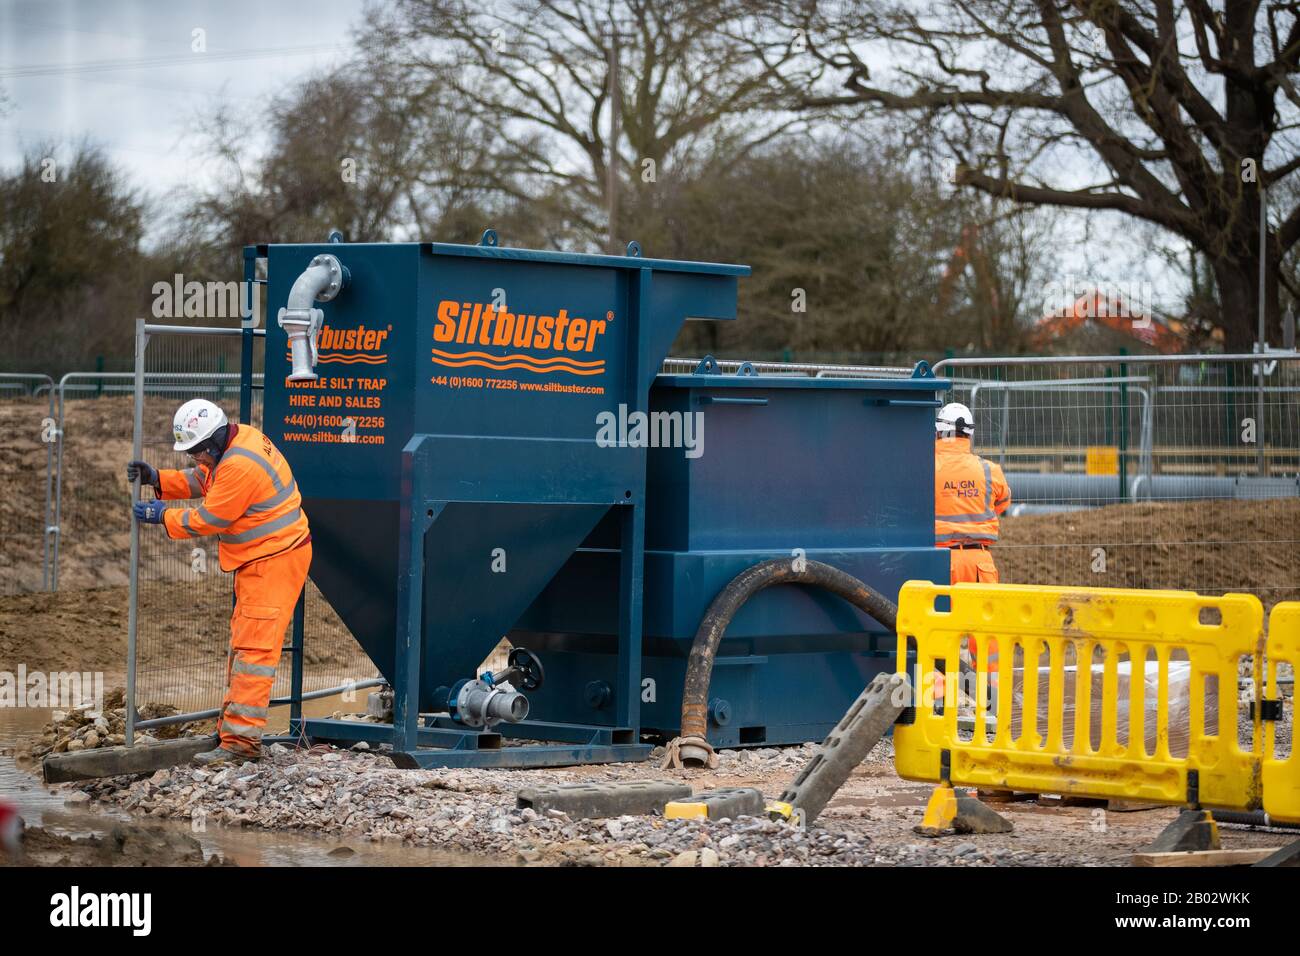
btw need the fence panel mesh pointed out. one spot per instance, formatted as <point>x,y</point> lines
<point>29,425</point>
<point>184,599</point>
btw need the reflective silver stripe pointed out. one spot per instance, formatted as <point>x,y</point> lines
<point>988,486</point>
<point>262,530</point>
<point>212,519</point>
<point>962,519</point>
<point>247,710</point>
<point>971,538</point>
<point>185,524</point>
<point>252,456</point>
<point>240,730</point>
<point>242,666</point>
<point>273,502</point>
<point>191,476</point>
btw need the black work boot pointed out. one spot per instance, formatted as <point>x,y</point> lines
<point>221,757</point>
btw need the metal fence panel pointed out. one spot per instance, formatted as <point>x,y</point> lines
<point>183,600</point>
<point>27,463</point>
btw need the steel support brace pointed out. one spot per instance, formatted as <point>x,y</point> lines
<point>415,519</point>
<point>447,745</point>
<point>295,673</point>
<point>627,695</point>
<point>558,733</point>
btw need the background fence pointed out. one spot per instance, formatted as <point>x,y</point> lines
<point>27,464</point>
<point>1148,472</point>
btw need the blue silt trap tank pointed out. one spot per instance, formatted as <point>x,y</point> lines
<point>474,430</point>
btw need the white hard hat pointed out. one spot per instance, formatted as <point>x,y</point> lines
<point>953,413</point>
<point>195,422</point>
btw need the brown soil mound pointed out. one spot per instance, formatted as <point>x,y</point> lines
<point>86,631</point>
<point>1208,546</point>
<point>94,517</point>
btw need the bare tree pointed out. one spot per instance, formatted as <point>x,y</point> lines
<point>70,234</point>
<point>850,242</point>
<point>1181,111</point>
<point>539,72</point>
<point>346,150</point>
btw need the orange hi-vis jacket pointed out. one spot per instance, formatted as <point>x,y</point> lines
<point>969,494</point>
<point>250,501</point>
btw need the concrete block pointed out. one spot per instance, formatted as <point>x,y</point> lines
<point>582,801</point>
<point>728,802</point>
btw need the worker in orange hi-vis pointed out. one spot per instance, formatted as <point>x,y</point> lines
<point>251,503</point>
<point>970,493</point>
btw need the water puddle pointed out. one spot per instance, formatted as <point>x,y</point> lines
<point>39,806</point>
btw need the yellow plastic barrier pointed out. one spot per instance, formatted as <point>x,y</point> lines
<point>1107,748</point>
<point>1282,776</point>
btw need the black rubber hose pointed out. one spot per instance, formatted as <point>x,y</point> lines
<point>1251,818</point>
<point>699,669</point>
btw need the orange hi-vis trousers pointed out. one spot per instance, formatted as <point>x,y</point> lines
<point>265,594</point>
<point>976,566</point>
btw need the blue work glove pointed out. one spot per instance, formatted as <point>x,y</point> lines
<point>149,512</point>
<point>146,472</point>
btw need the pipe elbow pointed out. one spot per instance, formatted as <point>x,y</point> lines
<point>321,281</point>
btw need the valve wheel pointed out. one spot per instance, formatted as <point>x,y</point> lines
<point>530,668</point>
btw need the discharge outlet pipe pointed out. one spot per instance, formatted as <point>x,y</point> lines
<point>692,748</point>
<point>481,703</point>
<point>321,281</point>
<point>487,700</point>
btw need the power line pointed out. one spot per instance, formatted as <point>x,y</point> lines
<point>154,62</point>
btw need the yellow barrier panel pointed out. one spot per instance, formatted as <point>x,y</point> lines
<point>1110,654</point>
<point>1281,776</point>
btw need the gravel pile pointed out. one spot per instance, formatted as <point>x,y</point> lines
<point>359,794</point>
<point>84,728</point>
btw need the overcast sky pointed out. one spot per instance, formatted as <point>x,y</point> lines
<point>123,72</point>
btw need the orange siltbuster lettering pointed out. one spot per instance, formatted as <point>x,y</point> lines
<point>544,344</point>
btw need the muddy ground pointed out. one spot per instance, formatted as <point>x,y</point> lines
<point>94,511</point>
<point>85,630</point>
<point>1208,546</point>
<point>345,797</point>
<point>124,845</point>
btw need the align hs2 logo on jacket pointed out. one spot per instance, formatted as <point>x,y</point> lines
<point>561,337</point>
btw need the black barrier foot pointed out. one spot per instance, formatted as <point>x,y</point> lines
<point>1193,830</point>
<point>950,811</point>
<point>974,817</point>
